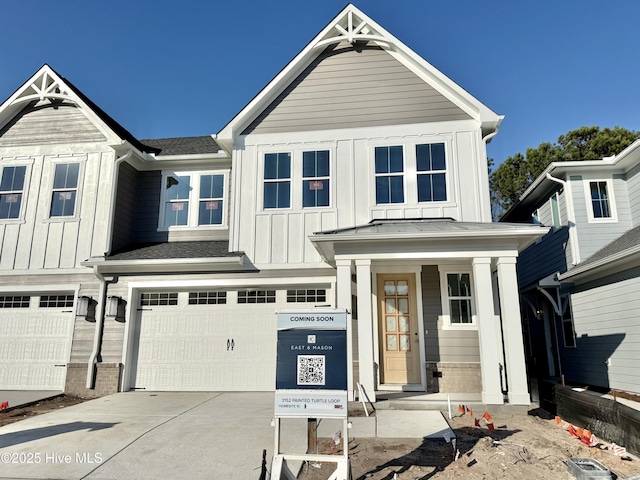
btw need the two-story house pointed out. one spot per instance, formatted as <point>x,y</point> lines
<point>357,178</point>
<point>580,283</point>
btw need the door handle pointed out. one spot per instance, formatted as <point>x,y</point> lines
<point>233,344</point>
<point>228,344</point>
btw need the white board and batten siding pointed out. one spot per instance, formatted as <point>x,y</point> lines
<point>38,241</point>
<point>35,344</point>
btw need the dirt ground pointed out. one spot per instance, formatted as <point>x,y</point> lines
<point>15,415</point>
<point>521,447</point>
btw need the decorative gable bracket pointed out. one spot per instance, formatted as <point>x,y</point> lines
<point>42,87</point>
<point>347,30</point>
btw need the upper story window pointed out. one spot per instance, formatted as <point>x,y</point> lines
<point>315,178</point>
<point>600,200</point>
<point>11,190</point>
<point>65,189</point>
<point>277,180</point>
<point>600,205</point>
<point>389,171</point>
<point>431,168</point>
<point>555,211</point>
<point>193,199</point>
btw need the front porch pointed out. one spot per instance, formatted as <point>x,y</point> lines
<point>434,310</point>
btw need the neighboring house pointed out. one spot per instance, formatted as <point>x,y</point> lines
<point>357,178</point>
<point>580,283</point>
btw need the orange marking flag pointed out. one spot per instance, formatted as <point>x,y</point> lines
<point>490,426</point>
<point>558,420</point>
<point>476,422</point>
<point>488,418</point>
<point>572,430</point>
<point>461,408</point>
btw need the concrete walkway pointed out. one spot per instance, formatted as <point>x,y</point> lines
<point>147,435</point>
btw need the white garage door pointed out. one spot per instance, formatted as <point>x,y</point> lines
<point>35,341</point>
<point>205,341</point>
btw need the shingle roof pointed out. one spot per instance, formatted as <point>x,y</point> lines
<point>170,250</point>
<point>624,242</point>
<point>183,145</point>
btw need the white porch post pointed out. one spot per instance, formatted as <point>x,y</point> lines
<point>487,332</point>
<point>343,300</point>
<point>365,328</point>
<point>512,330</point>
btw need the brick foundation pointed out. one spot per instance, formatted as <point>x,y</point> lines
<point>454,377</point>
<point>107,380</point>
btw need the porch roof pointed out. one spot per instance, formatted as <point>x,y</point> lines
<point>428,231</point>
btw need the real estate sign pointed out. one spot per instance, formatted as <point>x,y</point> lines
<point>311,368</point>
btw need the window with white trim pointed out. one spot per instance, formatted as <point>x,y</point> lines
<point>158,299</point>
<point>432,172</point>
<point>193,199</point>
<point>277,180</point>
<point>65,189</point>
<point>315,178</point>
<point>11,191</point>
<point>56,301</point>
<point>389,172</point>
<point>555,211</point>
<point>568,330</point>
<point>308,295</point>
<point>599,198</point>
<point>207,298</point>
<point>458,305</point>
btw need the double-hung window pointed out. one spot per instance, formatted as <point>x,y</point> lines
<point>65,189</point>
<point>193,199</point>
<point>555,212</point>
<point>389,168</point>
<point>211,199</point>
<point>431,169</point>
<point>315,178</point>
<point>277,180</point>
<point>457,298</point>
<point>176,200</point>
<point>11,190</point>
<point>600,203</point>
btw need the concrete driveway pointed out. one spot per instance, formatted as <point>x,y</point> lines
<point>149,435</point>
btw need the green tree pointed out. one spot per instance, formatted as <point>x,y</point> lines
<point>513,176</point>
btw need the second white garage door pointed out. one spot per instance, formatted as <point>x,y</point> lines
<point>195,342</point>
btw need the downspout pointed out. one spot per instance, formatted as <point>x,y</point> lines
<point>571,219</point>
<point>102,295</point>
<point>97,336</point>
<point>112,207</point>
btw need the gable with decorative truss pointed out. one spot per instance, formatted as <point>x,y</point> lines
<point>278,108</point>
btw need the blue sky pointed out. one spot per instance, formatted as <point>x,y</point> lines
<point>164,69</point>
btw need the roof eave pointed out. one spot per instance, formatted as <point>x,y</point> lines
<point>585,272</point>
<point>204,264</point>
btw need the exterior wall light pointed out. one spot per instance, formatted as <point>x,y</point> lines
<point>113,304</point>
<point>82,307</point>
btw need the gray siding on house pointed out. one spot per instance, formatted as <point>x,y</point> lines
<point>549,255</point>
<point>45,123</point>
<point>633,190</point>
<point>607,330</point>
<point>349,86</point>
<point>124,218</point>
<point>592,236</point>
<point>457,346</point>
<point>146,209</point>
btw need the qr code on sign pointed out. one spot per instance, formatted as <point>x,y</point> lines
<point>311,369</point>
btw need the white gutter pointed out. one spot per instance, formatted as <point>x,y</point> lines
<point>112,209</point>
<point>571,219</point>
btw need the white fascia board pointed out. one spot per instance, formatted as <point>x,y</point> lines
<point>54,287</point>
<point>208,160</point>
<point>233,282</point>
<point>625,259</point>
<point>164,265</point>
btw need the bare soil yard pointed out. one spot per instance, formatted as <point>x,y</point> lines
<point>521,447</point>
<point>15,415</point>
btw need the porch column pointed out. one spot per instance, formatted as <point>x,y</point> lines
<point>512,331</point>
<point>365,328</point>
<point>487,332</point>
<point>343,300</point>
